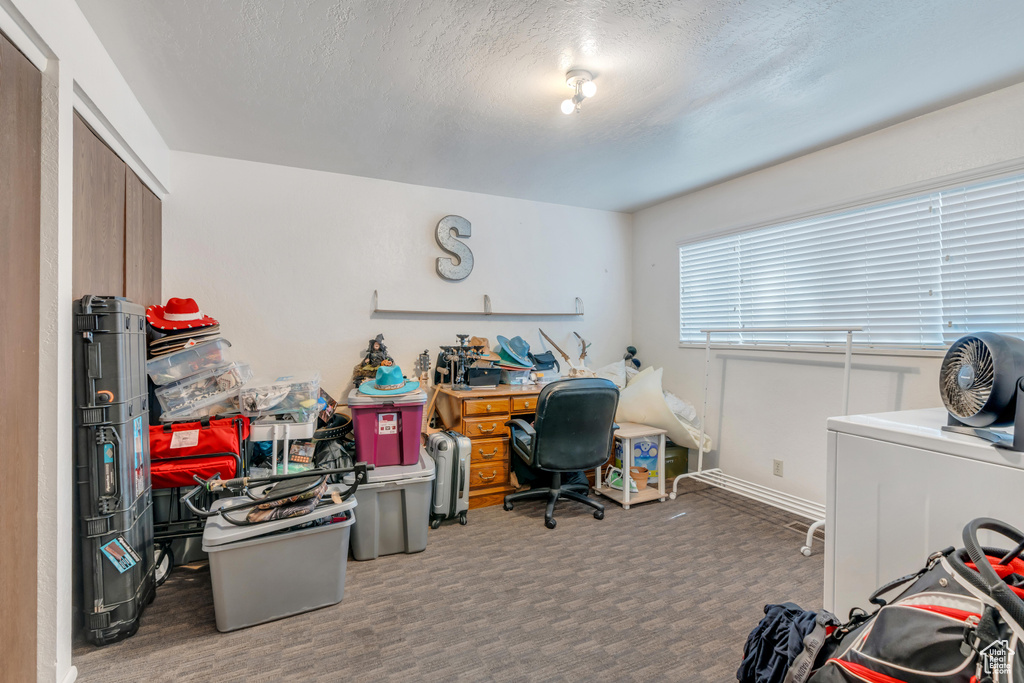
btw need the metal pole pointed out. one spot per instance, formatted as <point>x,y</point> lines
<point>704,410</point>
<point>846,372</point>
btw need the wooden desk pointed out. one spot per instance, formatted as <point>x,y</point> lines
<point>481,415</point>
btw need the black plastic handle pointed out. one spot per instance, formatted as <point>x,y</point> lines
<point>978,555</point>
<point>997,588</point>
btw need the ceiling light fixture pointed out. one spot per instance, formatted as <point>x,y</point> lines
<point>583,83</point>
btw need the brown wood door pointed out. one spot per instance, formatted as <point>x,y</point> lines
<point>142,230</point>
<point>98,217</point>
<point>20,131</point>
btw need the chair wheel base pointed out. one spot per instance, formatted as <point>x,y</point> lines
<point>550,523</point>
<point>507,506</point>
<point>599,514</point>
<point>805,551</point>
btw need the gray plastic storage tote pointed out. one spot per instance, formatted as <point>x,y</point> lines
<point>394,509</point>
<point>266,571</point>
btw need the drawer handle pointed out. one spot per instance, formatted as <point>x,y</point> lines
<point>487,455</point>
<point>488,407</point>
<point>487,431</point>
<point>527,404</point>
<point>487,480</point>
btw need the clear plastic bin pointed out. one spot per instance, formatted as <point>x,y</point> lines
<point>298,394</point>
<point>207,394</point>
<point>189,361</point>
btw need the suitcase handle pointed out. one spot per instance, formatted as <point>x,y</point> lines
<point>462,478</point>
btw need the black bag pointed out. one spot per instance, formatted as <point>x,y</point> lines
<point>961,620</point>
<point>543,362</point>
<point>333,447</point>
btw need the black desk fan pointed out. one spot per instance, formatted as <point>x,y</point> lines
<point>981,382</point>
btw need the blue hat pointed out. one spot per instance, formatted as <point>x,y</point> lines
<point>506,361</point>
<point>517,349</point>
<point>389,380</point>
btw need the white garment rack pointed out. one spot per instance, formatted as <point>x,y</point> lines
<point>716,477</point>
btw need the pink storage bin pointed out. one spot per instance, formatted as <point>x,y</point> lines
<point>387,428</point>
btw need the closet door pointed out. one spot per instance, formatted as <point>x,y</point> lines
<point>20,130</point>
<point>142,226</point>
<point>98,217</point>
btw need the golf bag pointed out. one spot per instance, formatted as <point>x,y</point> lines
<point>960,620</point>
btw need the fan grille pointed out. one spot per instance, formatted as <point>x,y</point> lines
<point>973,353</point>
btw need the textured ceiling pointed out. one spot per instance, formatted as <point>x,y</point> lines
<point>465,94</point>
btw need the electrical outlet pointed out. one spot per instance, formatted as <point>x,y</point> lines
<point>777,468</point>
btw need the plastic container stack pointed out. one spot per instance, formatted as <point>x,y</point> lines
<point>198,381</point>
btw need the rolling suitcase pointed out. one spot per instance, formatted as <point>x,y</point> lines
<point>450,451</point>
<point>112,475</point>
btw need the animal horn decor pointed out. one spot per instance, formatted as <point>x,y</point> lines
<point>574,369</point>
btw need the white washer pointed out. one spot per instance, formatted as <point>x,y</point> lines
<point>898,489</point>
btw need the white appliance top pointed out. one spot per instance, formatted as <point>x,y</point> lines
<point>923,429</point>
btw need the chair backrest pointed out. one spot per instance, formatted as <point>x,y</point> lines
<point>574,424</point>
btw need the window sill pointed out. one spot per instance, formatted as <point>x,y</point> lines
<point>837,349</point>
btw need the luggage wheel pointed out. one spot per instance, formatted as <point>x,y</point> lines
<point>435,523</point>
<point>462,519</point>
<point>164,563</point>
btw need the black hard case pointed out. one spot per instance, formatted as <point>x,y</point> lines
<point>112,485</point>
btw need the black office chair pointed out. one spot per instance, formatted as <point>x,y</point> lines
<point>574,430</point>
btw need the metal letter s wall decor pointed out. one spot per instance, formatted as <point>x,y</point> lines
<point>447,267</point>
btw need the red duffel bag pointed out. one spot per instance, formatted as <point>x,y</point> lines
<point>208,447</point>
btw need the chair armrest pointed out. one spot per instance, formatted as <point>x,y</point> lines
<point>522,425</point>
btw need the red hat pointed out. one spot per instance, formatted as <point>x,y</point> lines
<point>178,314</point>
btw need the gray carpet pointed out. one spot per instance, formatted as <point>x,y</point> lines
<point>663,591</point>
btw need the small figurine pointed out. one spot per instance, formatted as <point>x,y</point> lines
<point>375,356</point>
<point>377,353</point>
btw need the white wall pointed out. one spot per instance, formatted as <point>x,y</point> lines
<point>77,73</point>
<point>765,405</point>
<point>287,260</point>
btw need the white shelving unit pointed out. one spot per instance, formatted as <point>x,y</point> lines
<point>627,433</point>
<point>271,429</point>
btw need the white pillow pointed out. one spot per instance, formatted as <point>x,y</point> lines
<point>643,402</point>
<point>615,372</point>
<point>640,375</point>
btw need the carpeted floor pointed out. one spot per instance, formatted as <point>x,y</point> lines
<point>661,592</point>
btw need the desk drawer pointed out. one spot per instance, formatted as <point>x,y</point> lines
<point>486,451</point>
<point>485,406</point>
<point>484,428</point>
<point>488,474</point>
<point>524,404</point>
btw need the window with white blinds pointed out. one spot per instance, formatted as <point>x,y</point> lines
<point>918,272</point>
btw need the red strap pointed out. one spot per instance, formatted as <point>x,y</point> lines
<point>1016,566</point>
<point>865,673</point>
